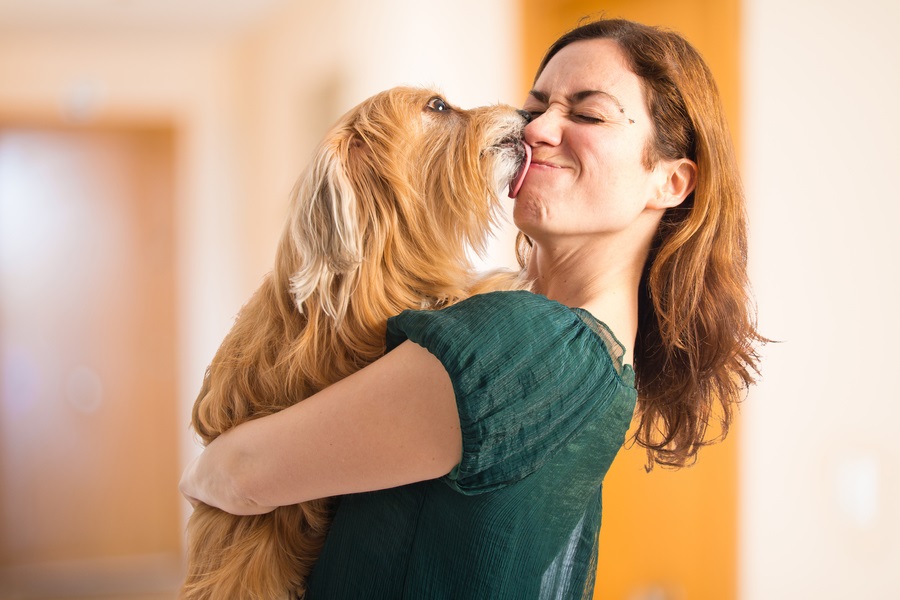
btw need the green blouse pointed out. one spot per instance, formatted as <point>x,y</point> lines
<point>544,405</point>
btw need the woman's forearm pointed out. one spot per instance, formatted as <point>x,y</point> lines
<point>394,422</point>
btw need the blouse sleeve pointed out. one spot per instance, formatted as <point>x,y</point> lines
<point>526,373</point>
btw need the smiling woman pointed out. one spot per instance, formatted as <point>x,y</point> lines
<point>589,180</point>
<point>695,272</point>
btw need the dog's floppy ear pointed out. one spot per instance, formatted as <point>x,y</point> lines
<point>325,232</point>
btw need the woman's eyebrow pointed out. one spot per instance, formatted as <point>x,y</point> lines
<point>539,96</point>
<point>586,94</point>
<point>576,97</point>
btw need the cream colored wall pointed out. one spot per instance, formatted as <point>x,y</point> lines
<point>309,64</point>
<point>820,465</point>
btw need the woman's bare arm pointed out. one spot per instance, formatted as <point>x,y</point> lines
<point>392,423</point>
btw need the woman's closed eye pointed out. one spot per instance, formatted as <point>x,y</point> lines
<point>578,116</point>
<point>590,119</point>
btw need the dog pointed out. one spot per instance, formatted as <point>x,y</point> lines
<point>399,192</point>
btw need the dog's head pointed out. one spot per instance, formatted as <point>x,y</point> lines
<point>398,192</point>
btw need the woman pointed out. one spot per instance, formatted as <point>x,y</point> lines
<point>489,426</point>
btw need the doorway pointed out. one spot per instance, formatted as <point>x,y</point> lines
<point>88,424</point>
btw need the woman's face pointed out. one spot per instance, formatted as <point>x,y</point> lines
<point>588,136</point>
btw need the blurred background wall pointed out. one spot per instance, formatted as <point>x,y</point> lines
<point>820,466</point>
<point>147,151</point>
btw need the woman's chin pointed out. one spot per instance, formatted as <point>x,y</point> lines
<point>527,218</point>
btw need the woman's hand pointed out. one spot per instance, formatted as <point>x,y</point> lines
<point>187,485</point>
<point>208,479</point>
<point>190,486</point>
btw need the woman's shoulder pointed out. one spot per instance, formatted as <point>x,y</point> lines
<point>517,325</point>
<point>493,315</point>
<point>506,298</point>
<point>510,303</point>
<point>488,318</point>
<point>572,328</point>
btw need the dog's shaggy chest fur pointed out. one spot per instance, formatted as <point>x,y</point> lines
<point>382,221</point>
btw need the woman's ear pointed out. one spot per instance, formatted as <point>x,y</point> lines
<point>680,180</point>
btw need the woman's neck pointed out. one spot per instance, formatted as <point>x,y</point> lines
<point>598,278</point>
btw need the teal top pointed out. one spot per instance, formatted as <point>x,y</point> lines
<point>544,405</point>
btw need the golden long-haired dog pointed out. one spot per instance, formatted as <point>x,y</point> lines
<point>382,221</point>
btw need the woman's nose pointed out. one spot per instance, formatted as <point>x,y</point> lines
<point>544,128</point>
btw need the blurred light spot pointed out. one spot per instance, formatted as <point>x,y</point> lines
<point>658,591</point>
<point>856,489</point>
<point>82,101</point>
<point>84,390</point>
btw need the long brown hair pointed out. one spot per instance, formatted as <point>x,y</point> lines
<point>694,352</point>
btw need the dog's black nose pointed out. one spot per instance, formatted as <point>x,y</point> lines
<point>525,114</point>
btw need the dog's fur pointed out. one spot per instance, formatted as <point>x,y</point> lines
<point>381,222</point>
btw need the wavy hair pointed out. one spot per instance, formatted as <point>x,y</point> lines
<point>695,348</point>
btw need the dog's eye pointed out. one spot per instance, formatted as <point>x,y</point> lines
<point>437,105</point>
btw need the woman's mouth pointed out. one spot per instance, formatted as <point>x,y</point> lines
<point>544,163</point>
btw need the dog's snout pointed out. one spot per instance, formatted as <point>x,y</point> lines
<point>525,114</point>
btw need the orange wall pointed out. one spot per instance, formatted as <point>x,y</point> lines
<point>667,535</point>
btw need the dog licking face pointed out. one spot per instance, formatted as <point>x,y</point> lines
<point>383,220</point>
<point>406,175</point>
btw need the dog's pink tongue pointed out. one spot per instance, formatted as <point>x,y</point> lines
<point>516,184</point>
